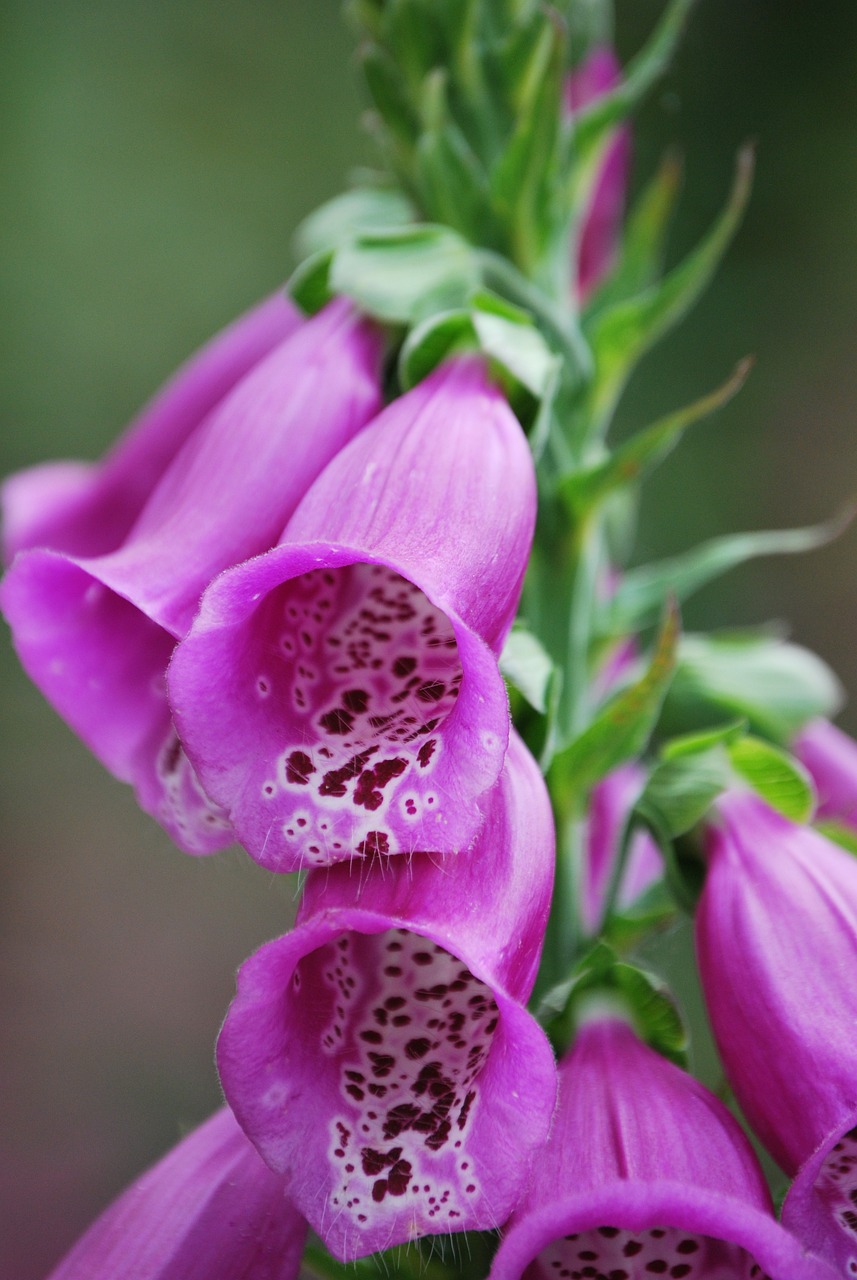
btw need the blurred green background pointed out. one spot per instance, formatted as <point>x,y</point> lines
<point>156,156</point>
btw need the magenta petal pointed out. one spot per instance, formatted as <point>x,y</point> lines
<point>87,509</point>
<point>830,756</point>
<point>340,695</point>
<point>378,1055</point>
<point>602,222</point>
<point>645,1173</point>
<point>95,634</point>
<point>210,1210</point>
<point>777,946</point>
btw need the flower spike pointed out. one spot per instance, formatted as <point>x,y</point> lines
<point>88,509</point>
<point>210,1210</point>
<point>777,946</point>
<point>645,1174</point>
<point>96,633</point>
<point>379,1055</point>
<point>340,696</point>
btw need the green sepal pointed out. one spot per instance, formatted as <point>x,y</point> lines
<point>644,241</point>
<point>361,209</point>
<point>404,274</point>
<point>623,726</point>
<point>777,687</point>
<point>601,979</point>
<point>641,592</point>
<point>622,334</point>
<point>527,666</point>
<point>488,324</point>
<point>309,284</point>
<point>584,489</point>
<point>691,773</point>
<point>774,775</point>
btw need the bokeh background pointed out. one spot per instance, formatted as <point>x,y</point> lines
<point>156,155</point>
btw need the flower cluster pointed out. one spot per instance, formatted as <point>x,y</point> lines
<point>282,609</point>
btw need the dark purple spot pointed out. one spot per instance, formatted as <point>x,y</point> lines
<point>375,842</point>
<point>426,752</point>
<point>356,700</point>
<point>404,666</point>
<point>337,721</point>
<point>299,767</point>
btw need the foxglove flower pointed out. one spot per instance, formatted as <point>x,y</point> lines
<point>88,509</point>
<point>777,946</point>
<point>379,1055</point>
<point>96,633</point>
<point>602,223</point>
<point>610,802</point>
<point>645,1174</point>
<point>210,1210</point>
<point>830,756</point>
<point>340,696</point>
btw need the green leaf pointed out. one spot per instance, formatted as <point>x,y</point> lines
<point>401,276</point>
<point>601,982</point>
<point>623,726</point>
<point>363,209</point>
<point>585,489</point>
<point>776,687</point>
<point>644,241</point>
<point>777,777</point>
<point>526,664</point>
<point>388,94</point>
<point>641,592</point>
<point>622,334</point>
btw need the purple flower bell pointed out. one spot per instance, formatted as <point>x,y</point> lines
<point>777,947</point>
<point>210,1210</point>
<point>88,509</point>
<point>602,223</point>
<point>645,1174</point>
<point>95,633</point>
<point>830,756</point>
<point>379,1055</point>
<point>340,696</point>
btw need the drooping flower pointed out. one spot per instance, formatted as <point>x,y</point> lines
<point>379,1055</point>
<point>645,1174</point>
<point>209,1210</point>
<point>610,802</point>
<point>777,946</point>
<point>340,695</point>
<point>830,756</point>
<point>600,232</point>
<point>96,633</point>
<point>88,509</point>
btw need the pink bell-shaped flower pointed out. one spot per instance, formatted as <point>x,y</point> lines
<point>380,1056</point>
<point>645,1174</point>
<point>777,945</point>
<point>210,1210</point>
<point>340,695</point>
<point>95,633</point>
